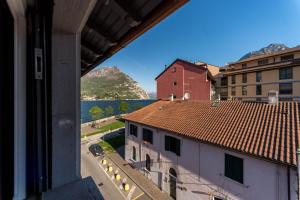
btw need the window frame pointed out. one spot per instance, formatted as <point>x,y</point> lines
<point>243,169</point>
<point>244,94</point>
<point>258,77</point>
<point>233,80</point>
<point>258,85</point>
<point>244,65</point>
<point>233,89</point>
<point>146,136</point>
<point>134,134</point>
<point>244,78</point>
<point>224,81</point>
<point>133,156</point>
<point>284,93</point>
<point>286,57</point>
<point>263,62</point>
<point>285,72</point>
<point>173,147</point>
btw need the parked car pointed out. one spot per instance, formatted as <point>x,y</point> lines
<point>96,150</point>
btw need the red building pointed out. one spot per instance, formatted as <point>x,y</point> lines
<point>184,79</point>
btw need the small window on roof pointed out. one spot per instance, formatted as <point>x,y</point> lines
<point>174,69</point>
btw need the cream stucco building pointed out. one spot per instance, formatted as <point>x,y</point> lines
<point>252,78</point>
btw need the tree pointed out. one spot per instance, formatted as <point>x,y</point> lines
<point>123,107</point>
<point>137,106</point>
<point>96,113</point>
<point>109,111</point>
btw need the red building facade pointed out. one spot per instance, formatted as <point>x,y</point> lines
<point>182,77</point>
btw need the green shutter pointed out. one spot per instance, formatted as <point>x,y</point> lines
<point>167,143</point>
<point>178,147</point>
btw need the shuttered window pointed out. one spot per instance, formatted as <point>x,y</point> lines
<point>234,168</point>
<point>172,144</point>
<point>147,135</point>
<point>133,130</point>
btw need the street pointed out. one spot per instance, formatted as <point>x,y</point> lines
<point>89,167</point>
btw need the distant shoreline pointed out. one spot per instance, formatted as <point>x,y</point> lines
<point>117,99</point>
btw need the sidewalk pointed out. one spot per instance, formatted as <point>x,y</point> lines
<point>145,184</point>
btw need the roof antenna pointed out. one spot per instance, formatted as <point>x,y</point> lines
<point>165,66</point>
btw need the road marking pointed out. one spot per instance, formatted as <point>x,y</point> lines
<point>112,181</point>
<point>138,196</point>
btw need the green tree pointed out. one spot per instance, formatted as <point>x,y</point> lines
<point>109,111</point>
<point>123,107</point>
<point>137,106</point>
<point>96,112</point>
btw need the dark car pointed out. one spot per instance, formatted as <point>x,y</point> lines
<point>96,150</point>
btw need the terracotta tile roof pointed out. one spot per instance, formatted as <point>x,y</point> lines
<point>263,130</point>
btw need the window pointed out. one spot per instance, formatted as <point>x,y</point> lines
<point>172,144</point>
<point>224,81</point>
<point>218,198</point>
<point>258,76</point>
<point>244,78</point>
<point>286,73</point>
<point>133,153</point>
<point>147,135</point>
<point>133,130</point>
<point>232,91</point>
<point>233,79</point>
<point>285,88</point>
<point>174,83</point>
<point>263,62</point>
<point>234,168</point>
<point>258,89</point>
<point>244,65</point>
<point>174,69</point>
<point>148,162</point>
<point>287,57</point>
<point>244,90</point>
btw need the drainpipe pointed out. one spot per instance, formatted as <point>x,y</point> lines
<point>298,167</point>
<point>289,182</point>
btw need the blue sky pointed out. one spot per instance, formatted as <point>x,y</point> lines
<point>213,31</point>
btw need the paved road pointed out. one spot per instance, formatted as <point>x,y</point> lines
<point>89,167</point>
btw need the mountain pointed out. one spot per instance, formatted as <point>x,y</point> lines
<point>266,50</point>
<point>152,95</point>
<point>110,83</point>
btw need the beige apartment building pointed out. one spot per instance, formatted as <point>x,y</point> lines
<point>253,78</point>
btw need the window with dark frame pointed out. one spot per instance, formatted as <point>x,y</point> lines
<point>232,91</point>
<point>147,135</point>
<point>224,81</point>
<point>234,168</point>
<point>286,73</point>
<point>174,69</point>
<point>244,78</point>
<point>244,65</point>
<point>258,89</point>
<point>285,88</point>
<point>133,130</point>
<point>233,79</point>
<point>134,153</point>
<point>174,83</point>
<point>287,57</point>
<point>172,144</point>
<point>244,90</point>
<point>258,77</point>
<point>263,62</point>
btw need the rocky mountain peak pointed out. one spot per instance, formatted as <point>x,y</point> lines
<point>271,48</point>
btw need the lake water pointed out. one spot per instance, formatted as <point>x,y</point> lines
<point>87,105</point>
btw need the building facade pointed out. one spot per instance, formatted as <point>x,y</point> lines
<point>252,78</point>
<point>197,150</point>
<point>183,78</point>
<point>196,170</point>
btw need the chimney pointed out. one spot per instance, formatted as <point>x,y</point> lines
<point>172,97</point>
<point>272,97</point>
